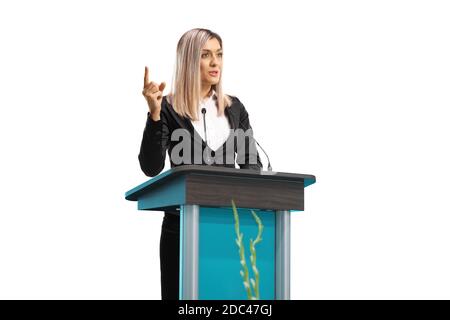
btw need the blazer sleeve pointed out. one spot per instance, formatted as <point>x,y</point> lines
<point>155,140</point>
<point>248,155</point>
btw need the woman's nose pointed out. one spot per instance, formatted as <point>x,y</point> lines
<point>214,60</point>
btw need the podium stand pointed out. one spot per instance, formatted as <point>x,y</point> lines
<point>217,260</point>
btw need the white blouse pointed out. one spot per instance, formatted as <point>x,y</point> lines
<point>217,127</point>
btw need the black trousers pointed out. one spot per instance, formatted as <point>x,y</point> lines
<point>169,252</point>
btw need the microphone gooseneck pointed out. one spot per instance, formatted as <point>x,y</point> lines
<point>269,167</point>
<point>204,124</point>
<point>208,159</point>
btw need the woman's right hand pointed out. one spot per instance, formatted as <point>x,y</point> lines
<point>153,93</point>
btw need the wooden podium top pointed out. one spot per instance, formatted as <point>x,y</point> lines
<point>215,186</point>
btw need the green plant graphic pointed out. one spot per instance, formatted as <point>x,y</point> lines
<point>244,272</point>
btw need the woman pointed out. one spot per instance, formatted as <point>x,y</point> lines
<point>197,86</point>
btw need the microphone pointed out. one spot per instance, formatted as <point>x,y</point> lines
<point>204,124</point>
<point>208,160</point>
<point>269,167</point>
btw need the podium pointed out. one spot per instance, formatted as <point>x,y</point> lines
<point>234,228</point>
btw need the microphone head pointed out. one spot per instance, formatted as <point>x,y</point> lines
<point>203,110</point>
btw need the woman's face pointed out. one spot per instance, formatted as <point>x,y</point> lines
<point>211,62</point>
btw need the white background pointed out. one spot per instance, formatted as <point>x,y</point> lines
<point>354,92</point>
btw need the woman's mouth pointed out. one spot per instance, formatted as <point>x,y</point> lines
<point>214,73</point>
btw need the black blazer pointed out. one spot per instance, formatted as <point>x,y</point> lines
<point>156,138</point>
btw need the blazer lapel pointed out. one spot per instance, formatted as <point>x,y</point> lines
<point>186,124</point>
<point>231,118</point>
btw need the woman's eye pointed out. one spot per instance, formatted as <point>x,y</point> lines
<point>204,55</point>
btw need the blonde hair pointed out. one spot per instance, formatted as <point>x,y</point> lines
<point>186,83</point>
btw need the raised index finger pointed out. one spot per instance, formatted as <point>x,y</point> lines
<point>146,76</point>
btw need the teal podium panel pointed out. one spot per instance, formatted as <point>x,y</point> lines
<point>219,257</point>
